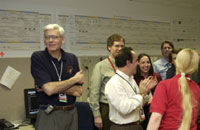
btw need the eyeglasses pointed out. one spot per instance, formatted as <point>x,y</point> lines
<point>53,37</point>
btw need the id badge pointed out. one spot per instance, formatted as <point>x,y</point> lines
<point>63,97</point>
<point>142,115</point>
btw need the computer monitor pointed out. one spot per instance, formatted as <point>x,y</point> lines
<point>31,104</point>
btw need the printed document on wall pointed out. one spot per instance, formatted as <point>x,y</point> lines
<point>9,77</point>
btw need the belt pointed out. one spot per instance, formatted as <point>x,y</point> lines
<point>135,123</point>
<point>132,123</point>
<point>103,104</point>
<point>58,108</point>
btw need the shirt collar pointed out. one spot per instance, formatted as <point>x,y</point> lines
<point>124,75</point>
<point>51,58</point>
<point>165,62</point>
<point>112,60</point>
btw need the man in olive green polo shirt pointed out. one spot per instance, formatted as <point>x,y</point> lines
<point>102,72</point>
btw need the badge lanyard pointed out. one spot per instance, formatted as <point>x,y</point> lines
<point>59,75</point>
<point>62,96</point>
<point>112,65</point>
<point>134,89</point>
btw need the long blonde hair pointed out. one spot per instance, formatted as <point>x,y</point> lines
<point>186,63</point>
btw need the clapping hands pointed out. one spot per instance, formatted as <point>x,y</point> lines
<point>147,84</point>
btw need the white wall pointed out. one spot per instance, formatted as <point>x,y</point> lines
<point>100,8</point>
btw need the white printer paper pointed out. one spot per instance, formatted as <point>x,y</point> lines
<point>9,77</point>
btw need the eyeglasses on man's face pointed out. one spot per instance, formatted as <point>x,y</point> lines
<point>53,37</point>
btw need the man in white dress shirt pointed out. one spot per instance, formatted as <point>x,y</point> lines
<point>124,96</point>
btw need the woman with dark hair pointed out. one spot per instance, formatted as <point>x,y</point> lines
<point>144,70</point>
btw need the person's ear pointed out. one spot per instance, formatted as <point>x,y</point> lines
<point>109,48</point>
<point>127,62</point>
<point>63,40</point>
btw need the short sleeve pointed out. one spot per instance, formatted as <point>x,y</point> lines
<point>39,71</point>
<point>159,102</point>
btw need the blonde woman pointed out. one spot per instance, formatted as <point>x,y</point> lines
<point>175,101</point>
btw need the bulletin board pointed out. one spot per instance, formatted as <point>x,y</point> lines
<point>19,30</point>
<point>92,32</point>
<point>21,33</point>
<point>185,32</point>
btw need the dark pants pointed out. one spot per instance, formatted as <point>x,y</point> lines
<point>131,126</point>
<point>198,120</point>
<point>147,116</point>
<point>57,120</point>
<point>104,110</point>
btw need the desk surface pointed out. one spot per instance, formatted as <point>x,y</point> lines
<point>29,127</point>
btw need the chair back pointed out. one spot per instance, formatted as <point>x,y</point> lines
<point>85,116</point>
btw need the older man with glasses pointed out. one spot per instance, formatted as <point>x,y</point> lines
<point>58,81</point>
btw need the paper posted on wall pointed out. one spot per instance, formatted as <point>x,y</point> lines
<point>9,77</point>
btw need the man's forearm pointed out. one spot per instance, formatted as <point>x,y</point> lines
<point>74,91</point>
<point>51,88</point>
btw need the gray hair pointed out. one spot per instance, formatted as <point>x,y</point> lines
<point>55,27</point>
